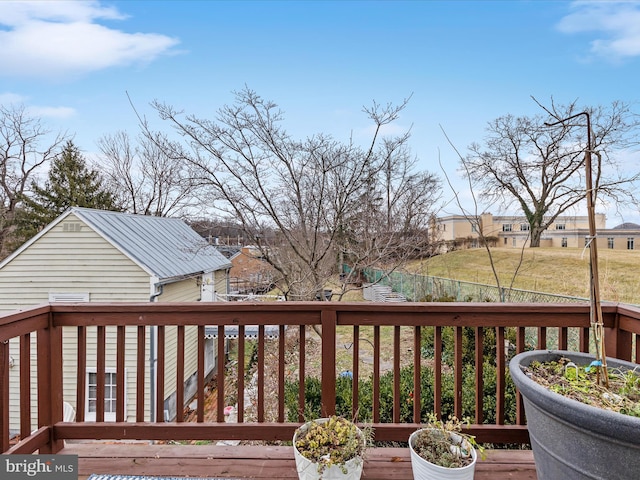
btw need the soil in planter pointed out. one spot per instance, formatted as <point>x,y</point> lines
<point>435,446</point>
<point>580,383</point>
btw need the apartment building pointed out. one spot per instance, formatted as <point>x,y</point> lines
<point>512,231</point>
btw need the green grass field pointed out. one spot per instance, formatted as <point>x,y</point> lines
<point>562,271</point>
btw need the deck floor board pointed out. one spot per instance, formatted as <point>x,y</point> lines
<point>264,462</point>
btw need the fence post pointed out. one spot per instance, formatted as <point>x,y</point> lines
<point>328,319</point>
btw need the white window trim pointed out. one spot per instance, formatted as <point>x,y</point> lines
<point>108,416</point>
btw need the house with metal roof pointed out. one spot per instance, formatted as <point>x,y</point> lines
<point>89,255</point>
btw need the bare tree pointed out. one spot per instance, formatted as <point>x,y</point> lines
<point>541,169</point>
<point>475,220</point>
<point>25,147</point>
<point>144,178</point>
<point>308,203</point>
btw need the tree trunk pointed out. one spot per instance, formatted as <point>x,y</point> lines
<point>536,234</point>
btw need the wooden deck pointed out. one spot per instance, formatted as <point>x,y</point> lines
<point>265,462</point>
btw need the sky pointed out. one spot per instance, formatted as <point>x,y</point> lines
<point>80,65</point>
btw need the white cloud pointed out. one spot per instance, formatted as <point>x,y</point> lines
<point>61,38</point>
<point>617,23</point>
<point>51,112</point>
<point>8,99</point>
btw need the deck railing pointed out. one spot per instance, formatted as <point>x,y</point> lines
<point>36,392</point>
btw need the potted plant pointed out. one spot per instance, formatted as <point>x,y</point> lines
<point>440,450</point>
<point>569,438</point>
<point>329,448</point>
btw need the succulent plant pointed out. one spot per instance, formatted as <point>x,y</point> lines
<point>330,442</point>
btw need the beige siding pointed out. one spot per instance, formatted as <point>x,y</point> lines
<point>221,283</point>
<point>70,364</point>
<point>131,338</point>
<point>72,258</point>
<point>65,260</point>
<point>79,261</point>
<point>185,291</point>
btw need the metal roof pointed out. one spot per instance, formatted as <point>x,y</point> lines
<point>165,247</point>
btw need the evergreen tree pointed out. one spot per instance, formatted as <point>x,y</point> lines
<point>70,183</point>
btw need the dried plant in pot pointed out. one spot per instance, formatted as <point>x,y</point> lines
<point>440,450</point>
<point>330,448</point>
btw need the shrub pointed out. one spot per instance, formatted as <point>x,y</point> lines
<point>344,390</point>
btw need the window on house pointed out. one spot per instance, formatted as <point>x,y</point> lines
<point>506,227</point>
<point>564,241</point>
<point>513,242</point>
<point>524,227</point>
<point>561,226</point>
<point>610,242</point>
<point>109,395</point>
<point>505,241</point>
<point>474,228</point>
<point>630,243</point>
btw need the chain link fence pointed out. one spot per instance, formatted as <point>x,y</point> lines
<point>421,288</point>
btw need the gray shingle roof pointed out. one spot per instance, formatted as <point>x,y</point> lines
<point>164,247</point>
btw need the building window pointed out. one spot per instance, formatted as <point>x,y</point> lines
<point>630,243</point>
<point>524,227</point>
<point>564,242</point>
<point>610,242</point>
<point>561,226</point>
<point>109,395</point>
<point>474,228</point>
<point>513,243</point>
<point>506,227</point>
<point>505,241</point>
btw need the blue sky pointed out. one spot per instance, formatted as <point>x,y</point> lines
<point>464,63</point>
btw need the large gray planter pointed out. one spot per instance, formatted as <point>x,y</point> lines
<point>572,440</point>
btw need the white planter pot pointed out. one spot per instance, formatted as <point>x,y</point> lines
<point>424,470</point>
<point>308,470</point>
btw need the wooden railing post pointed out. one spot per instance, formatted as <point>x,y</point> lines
<point>4,397</point>
<point>50,381</point>
<point>618,342</point>
<point>329,320</point>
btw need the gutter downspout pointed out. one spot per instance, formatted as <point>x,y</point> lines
<point>153,354</point>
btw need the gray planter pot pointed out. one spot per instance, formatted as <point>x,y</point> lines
<point>572,440</point>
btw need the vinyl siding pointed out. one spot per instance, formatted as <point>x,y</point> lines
<point>73,258</point>
<point>184,291</point>
<point>131,338</point>
<point>221,283</point>
<point>63,261</point>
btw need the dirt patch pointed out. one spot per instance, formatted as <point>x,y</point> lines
<point>581,383</point>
